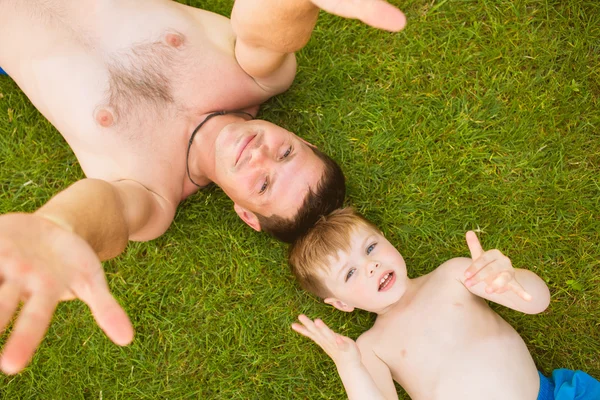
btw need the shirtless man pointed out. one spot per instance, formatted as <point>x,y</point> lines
<point>134,87</point>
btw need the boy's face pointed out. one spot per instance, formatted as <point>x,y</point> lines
<point>370,276</point>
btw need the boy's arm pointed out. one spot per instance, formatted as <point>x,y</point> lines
<point>490,275</point>
<point>268,32</point>
<point>355,367</point>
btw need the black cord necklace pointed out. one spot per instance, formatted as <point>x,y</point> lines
<point>209,116</point>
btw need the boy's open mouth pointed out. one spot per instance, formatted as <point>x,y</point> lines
<point>385,281</point>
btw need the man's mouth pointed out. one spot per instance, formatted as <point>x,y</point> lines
<point>386,281</point>
<point>243,144</point>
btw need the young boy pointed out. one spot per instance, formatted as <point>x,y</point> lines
<point>435,335</point>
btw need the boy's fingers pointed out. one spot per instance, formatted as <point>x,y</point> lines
<point>322,325</point>
<point>474,245</point>
<point>519,290</point>
<point>305,320</point>
<point>473,281</point>
<point>341,342</point>
<point>500,281</point>
<point>308,324</point>
<point>301,329</point>
<point>479,264</point>
<point>325,330</point>
<point>475,273</point>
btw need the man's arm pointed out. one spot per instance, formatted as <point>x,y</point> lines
<point>269,32</point>
<point>108,214</point>
<point>357,368</point>
<point>53,255</point>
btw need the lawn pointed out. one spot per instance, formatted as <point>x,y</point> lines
<point>480,115</point>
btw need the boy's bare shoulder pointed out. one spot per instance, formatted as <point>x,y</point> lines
<point>368,339</point>
<point>453,268</point>
<point>448,276</point>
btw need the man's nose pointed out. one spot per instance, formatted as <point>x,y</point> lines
<point>260,155</point>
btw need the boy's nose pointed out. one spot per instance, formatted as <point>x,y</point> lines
<point>373,267</point>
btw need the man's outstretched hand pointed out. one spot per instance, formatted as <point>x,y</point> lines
<point>42,264</point>
<point>376,13</point>
<point>286,26</point>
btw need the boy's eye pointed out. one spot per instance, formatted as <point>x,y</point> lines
<point>371,248</point>
<point>350,273</point>
<point>264,187</point>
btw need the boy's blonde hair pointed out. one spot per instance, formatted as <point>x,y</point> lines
<point>310,254</point>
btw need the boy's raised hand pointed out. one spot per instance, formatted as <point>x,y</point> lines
<point>341,349</point>
<point>493,268</point>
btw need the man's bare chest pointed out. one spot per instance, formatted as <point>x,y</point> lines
<point>117,74</point>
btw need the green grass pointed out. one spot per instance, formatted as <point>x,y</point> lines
<point>480,115</point>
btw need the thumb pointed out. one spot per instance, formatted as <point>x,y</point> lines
<point>377,13</point>
<point>342,342</point>
<point>474,245</point>
<point>109,315</point>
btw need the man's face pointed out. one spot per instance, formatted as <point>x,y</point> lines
<point>264,168</point>
<point>370,276</point>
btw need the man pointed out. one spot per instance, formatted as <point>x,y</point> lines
<point>156,99</point>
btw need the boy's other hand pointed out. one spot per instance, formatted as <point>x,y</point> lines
<point>493,268</point>
<point>341,349</point>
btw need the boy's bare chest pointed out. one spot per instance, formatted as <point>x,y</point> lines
<point>435,326</point>
<point>432,347</point>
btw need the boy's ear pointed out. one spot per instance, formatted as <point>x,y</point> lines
<point>340,305</point>
<point>248,217</point>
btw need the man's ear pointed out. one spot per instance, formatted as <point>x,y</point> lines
<point>248,217</point>
<point>340,305</point>
<point>307,142</point>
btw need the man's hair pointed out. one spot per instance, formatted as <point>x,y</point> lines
<point>328,195</point>
<point>312,253</point>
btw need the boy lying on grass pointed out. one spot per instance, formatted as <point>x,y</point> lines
<point>434,335</point>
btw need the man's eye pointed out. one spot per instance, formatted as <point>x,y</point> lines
<point>264,187</point>
<point>288,152</point>
<point>350,273</point>
<point>371,248</point>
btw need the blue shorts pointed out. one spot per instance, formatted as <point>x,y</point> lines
<point>2,72</point>
<point>568,385</point>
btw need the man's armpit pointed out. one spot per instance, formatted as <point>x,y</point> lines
<point>148,214</point>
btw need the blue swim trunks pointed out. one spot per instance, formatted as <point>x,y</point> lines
<point>568,385</point>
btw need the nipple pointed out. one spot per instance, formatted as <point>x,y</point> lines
<point>104,118</point>
<point>174,39</point>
